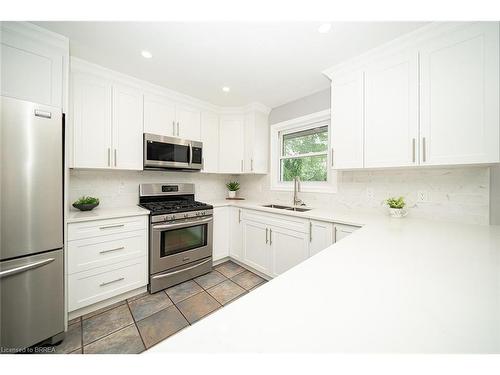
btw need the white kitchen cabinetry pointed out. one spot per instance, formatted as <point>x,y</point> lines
<point>231,144</point>
<point>321,236</point>
<point>236,233</point>
<point>256,143</point>
<point>159,115</point>
<point>347,121</point>
<point>391,111</point>
<point>107,124</point>
<point>34,64</point>
<point>92,121</point>
<point>342,231</point>
<point>127,128</point>
<point>106,258</point>
<point>288,248</point>
<point>220,233</point>
<point>210,139</point>
<point>257,252</point>
<point>459,110</point>
<point>188,122</point>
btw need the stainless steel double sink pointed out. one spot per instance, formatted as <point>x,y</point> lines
<point>288,208</point>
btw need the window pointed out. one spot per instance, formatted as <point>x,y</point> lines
<point>300,148</point>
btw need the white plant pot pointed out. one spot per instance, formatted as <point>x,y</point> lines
<point>398,212</point>
<point>231,194</point>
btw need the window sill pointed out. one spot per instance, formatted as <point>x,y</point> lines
<point>327,188</point>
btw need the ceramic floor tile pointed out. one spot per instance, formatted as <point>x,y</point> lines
<point>72,340</point>
<point>148,305</point>
<point>229,269</point>
<point>75,320</point>
<point>198,306</point>
<point>226,291</point>
<point>108,322</point>
<point>247,280</point>
<point>107,308</point>
<point>125,341</point>
<point>161,325</point>
<point>210,279</point>
<point>140,295</point>
<point>182,291</point>
<point>77,351</point>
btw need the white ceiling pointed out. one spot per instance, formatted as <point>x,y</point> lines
<point>272,63</point>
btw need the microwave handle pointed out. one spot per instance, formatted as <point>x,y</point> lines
<point>190,154</point>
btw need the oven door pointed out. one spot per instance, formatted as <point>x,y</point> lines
<point>166,152</point>
<point>180,242</point>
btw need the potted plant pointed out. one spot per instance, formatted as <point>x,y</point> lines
<point>232,187</point>
<point>397,207</point>
<point>86,203</point>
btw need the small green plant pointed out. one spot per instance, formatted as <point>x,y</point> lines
<point>233,186</point>
<point>394,202</point>
<point>87,200</point>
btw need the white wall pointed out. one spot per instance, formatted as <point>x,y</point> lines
<point>121,188</point>
<point>316,102</point>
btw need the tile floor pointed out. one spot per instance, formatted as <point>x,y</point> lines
<point>133,325</point>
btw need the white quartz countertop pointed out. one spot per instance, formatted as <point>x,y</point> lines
<point>99,213</point>
<point>395,285</point>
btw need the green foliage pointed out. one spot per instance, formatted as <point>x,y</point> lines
<point>87,200</point>
<point>233,186</point>
<point>394,202</point>
<point>308,168</point>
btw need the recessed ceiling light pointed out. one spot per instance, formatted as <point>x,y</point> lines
<point>146,54</point>
<point>226,89</point>
<point>324,28</point>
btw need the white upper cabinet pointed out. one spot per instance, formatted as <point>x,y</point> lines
<point>231,144</point>
<point>188,122</point>
<point>256,143</point>
<point>391,111</point>
<point>459,97</point>
<point>127,128</point>
<point>92,121</point>
<point>210,139</point>
<point>347,121</point>
<point>159,115</point>
<point>34,64</point>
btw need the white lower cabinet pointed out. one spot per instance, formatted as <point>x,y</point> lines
<point>288,248</point>
<point>342,231</point>
<point>106,258</point>
<point>321,236</point>
<point>220,235</point>
<point>256,249</point>
<point>235,234</point>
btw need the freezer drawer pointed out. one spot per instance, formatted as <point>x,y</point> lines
<point>32,299</point>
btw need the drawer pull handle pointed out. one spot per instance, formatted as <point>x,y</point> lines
<point>110,250</point>
<point>112,226</point>
<point>112,281</point>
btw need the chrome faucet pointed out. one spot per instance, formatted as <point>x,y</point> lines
<point>296,189</point>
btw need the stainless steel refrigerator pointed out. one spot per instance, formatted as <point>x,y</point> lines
<point>31,224</point>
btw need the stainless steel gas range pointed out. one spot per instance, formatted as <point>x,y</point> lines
<point>180,234</point>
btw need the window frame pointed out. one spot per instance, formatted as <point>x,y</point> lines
<point>278,130</point>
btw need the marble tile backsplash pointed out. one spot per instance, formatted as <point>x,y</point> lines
<point>453,194</point>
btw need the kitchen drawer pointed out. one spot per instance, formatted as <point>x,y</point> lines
<point>96,228</point>
<point>88,287</point>
<point>89,253</point>
<point>284,221</point>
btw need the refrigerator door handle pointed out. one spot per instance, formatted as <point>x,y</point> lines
<point>25,267</point>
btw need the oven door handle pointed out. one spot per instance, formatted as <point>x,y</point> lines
<point>186,223</point>
<point>179,271</point>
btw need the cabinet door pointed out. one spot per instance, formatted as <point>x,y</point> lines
<point>320,236</point>
<point>210,139</point>
<point>256,246</point>
<point>92,104</point>
<point>236,234</point>
<point>188,123</point>
<point>289,248</point>
<point>391,111</point>
<point>459,73</point>
<point>127,128</point>
<point>256,143</point>
<point>221,235</point>
<point>159,115</point>
<point>342,231</point>
<point>231,146</point>
<point>347,121</point>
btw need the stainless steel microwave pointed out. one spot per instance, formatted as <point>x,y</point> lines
<point>162,152</point>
